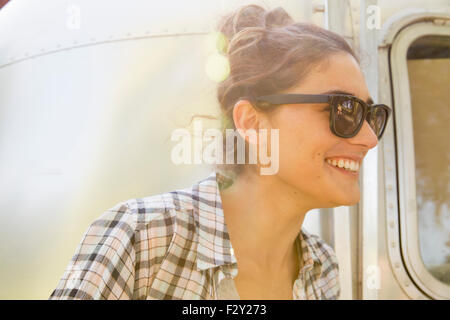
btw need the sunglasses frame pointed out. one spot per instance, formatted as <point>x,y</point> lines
<point>266,102</point>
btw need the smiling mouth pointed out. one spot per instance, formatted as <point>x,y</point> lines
<point>344,165</point>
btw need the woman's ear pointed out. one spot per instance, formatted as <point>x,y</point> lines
<point>247,120</point>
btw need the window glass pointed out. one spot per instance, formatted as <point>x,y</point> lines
<point>429,78</point>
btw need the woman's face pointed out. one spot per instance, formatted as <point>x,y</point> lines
<point>306,143</point>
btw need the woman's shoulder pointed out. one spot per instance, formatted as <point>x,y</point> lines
<point>157,213</point>
<point>170,204</point>
<point>145,212</point>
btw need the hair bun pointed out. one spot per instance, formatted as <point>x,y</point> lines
<point>278,17</point>
<point>242,18</point>
<point>253,16</point>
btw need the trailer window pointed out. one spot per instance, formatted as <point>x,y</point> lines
<point>429,74</point>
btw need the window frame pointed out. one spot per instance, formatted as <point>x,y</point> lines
<point>409,247</point>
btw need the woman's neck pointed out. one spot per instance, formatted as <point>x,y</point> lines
<point>263,218</point>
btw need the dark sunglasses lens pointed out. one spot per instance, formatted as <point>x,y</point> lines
<point>347,116</point>
<point>377,120</point>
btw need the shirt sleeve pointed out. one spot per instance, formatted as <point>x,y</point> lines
<point>103,266</point>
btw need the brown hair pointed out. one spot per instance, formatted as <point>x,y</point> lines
<point>268,52</point>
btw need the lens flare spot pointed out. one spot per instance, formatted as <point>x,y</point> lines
<point>216,41</point>
<point>217,67</point>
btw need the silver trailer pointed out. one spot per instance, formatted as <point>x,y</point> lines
<point>91,90</point>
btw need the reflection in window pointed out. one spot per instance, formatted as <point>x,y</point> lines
<point>429,75</point>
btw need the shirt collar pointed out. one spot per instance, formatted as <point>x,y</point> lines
<point>214,246</point>
<point>309,254</point>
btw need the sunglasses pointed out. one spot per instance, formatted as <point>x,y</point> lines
<point>347,112</point>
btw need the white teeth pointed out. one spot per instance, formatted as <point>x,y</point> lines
<point>344,163</point>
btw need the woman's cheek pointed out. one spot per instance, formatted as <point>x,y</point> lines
<point>290,154</point>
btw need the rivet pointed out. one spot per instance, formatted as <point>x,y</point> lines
<point>389,186</point>
<point>319,8</point>
<point>439,22</point>
<point>389,169</point>
<point>391,224</point>
<point>397,265</point>
<point>407,284</point>
<point>391,205</point>
<point>392,244</point>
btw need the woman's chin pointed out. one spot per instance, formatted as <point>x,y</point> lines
<point>346,200</point>
<point>351,201</point>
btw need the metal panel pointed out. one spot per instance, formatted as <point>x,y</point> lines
<point>369,202</point>
<point>395,274</point>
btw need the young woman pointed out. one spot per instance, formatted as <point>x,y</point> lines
<point>238,233</point>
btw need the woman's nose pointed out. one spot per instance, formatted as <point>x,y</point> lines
<point>366,136</point>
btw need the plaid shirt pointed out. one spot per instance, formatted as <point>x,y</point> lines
<point>175,245</point>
